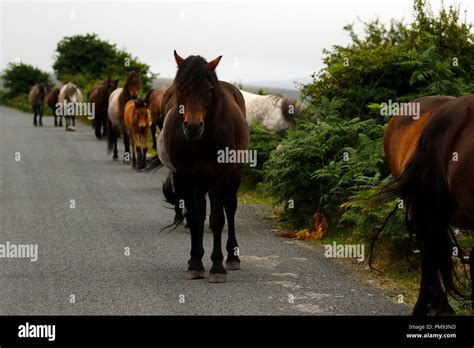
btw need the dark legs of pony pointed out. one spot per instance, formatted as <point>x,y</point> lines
<point>436,252</point>
<point>126,143</point>
<point>230,207</point>
<point>153,133</point>
<point>195,204</point>
<point>38,111</point>
<point>112,139</point>
<point>100,125</point>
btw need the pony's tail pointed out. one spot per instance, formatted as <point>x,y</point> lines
<point>169,191</point>
<point>431,233</point>
<point>290,108</point>
<point>153,164</point>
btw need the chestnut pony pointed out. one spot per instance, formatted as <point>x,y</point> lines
<point>137,125</point>
<point>431,160</point>
<point>154,99</point>
<point>204,115</point>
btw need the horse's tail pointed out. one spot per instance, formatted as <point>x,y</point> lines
<point>171,197</point>
<point>422,186</point>
<point>154,163</point>
<point>168,189</point>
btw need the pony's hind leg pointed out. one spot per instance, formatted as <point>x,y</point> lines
<point>126,143</point>
<point>41,115</point>
<point>153,134</point>
<point>35,123</point>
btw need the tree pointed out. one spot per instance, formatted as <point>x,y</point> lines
<point>19,78</point>
<point>87,58</point>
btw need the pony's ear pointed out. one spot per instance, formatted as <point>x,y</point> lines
<point>178,59</point>
<point>136,101</point>
<point>214,63</point>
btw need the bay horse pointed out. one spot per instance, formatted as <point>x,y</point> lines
<point>117,100</point>
<point>275,112</point>
<point>99,95</point>
<point>204,115</point>
<point>37,97</point>
<point>154,99</point>
<point>430,158</point>
<point>137,126</point>
<point>70,93</point>
<point>52,100</point>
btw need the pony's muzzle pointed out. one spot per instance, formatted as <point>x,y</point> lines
<point>193,130</point>
<point>142,128</point>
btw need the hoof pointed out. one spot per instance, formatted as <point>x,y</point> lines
<point>217,277</point>
<point>232,265</point>
<point>115,158</point>
<point>194,274</point>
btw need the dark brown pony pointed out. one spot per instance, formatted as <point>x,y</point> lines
<point>431,159</point>
<point>52,101</point>
<point>117,100</point>
<point>99,95</point>
<point>154,98</point>
<point>203,116</point>
<point>37,97</point>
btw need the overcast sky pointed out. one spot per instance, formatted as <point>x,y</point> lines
<point>279,41</point>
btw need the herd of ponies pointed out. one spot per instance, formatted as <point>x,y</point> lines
<point>198,115</point>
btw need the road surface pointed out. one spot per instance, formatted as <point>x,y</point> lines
<point>83,266</point>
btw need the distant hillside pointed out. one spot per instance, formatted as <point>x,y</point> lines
<point>291,93</point>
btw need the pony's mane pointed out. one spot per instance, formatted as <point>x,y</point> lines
<point>192,74</point>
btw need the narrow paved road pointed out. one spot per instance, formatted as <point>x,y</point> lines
<point>82,250</point>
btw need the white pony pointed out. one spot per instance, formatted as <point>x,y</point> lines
<point>275,112</point>
<point>69,93</point>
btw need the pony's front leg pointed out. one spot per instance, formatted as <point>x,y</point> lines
<point>134,155</point>
<point>217,274</point>
<point>145,150</point>
<point>233,261</point>
<point>194,220</point>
